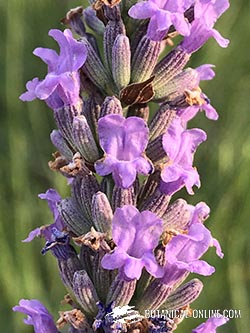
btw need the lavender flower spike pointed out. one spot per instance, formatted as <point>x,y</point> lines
<point>180,145</point>
<point>162,14</point>
<point>135,235</point>
<point>123,141</point>
<point>38,316</point>
<point>62,78</point>
<point>210,325</point>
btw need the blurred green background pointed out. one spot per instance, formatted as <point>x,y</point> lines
<point>223,162</point>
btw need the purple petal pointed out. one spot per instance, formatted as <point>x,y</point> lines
<point>196,266</point>
<point>210,325</point>
<point>135,235</point>
<point>122,235</point>
<point>34,233</point>
<point>38,316</point>
<point>216,244</point>
<point>133,268</point>
<point>205,72</point>
<point>47,86</point>
<point>105,166</point>
<point>114,260</point>
<point>50,57</point>
<point>30,94</point>
<point>143,10</point>
<point>124,174</point>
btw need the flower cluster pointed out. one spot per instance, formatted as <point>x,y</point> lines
<point>125,147</point>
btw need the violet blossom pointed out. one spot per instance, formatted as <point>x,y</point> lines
<point>50,230</point>
<point>135,235</point>
<point>206,13</point>
<point>163,14</point>
<point>123,141</point>
<point>62,83</point>
<point>183,254</point>
<point>180,145</point>
<point>37,315</point>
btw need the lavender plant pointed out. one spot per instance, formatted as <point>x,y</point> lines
<point>120,240</point>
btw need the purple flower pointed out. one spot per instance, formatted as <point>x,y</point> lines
<point>210,325</point>
<point>62,83</point>
<point>38,316</point>
<point>135,235</point>
<point>49,231</point>
<point>183,252</point>
<point>123,141</point>
<point>199,214</point>
<point>206,13</point>
<point>162,14</point>
<point>205,72</point>
<point>180,145</point>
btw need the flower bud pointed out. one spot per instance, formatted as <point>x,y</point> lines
<point>144,59</point>
<point>102,278</point>
<point>121,61</point>
<point>155,151</point>
<point>83,189</point>
<point>177,216</point>
<point>169,66</point>
<point>61,145</point>
<point>94,68</point>
<point>102,213</point>
<point>72,217</point>
<point>111,105</point>
<point>175,88</point>
<point>68,268</point>
<point>161,120</point>
<point>121,292</point>
<point>112,30</point>
<point>85,292</point>
<point>184,295</point>
<point>157,203</point>
<point>93,21</point>
<point>123,196</point>
<point>153,297</point>
<point>84,140</point>
<point>92,110</point>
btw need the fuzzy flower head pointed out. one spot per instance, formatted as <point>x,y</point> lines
<point>135,235</point>
<point>180,146</point>
<point>211,325</point>
<point>123,142</point>
<point>62,83</point>
<point>37,315</point>
<point>163,14</point>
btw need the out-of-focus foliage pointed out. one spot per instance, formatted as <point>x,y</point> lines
<point>224,164</point>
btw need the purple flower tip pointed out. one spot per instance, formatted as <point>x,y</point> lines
<point>183,253</point>
<point>162,15</point>
<point>206,14</point>
<point>210,325</point>
<point>62,83</point>
<point>37,315</point>
<point>123,141</point>
<point>180,146</point>
<point>135,235</point>
<point>52,198</point>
